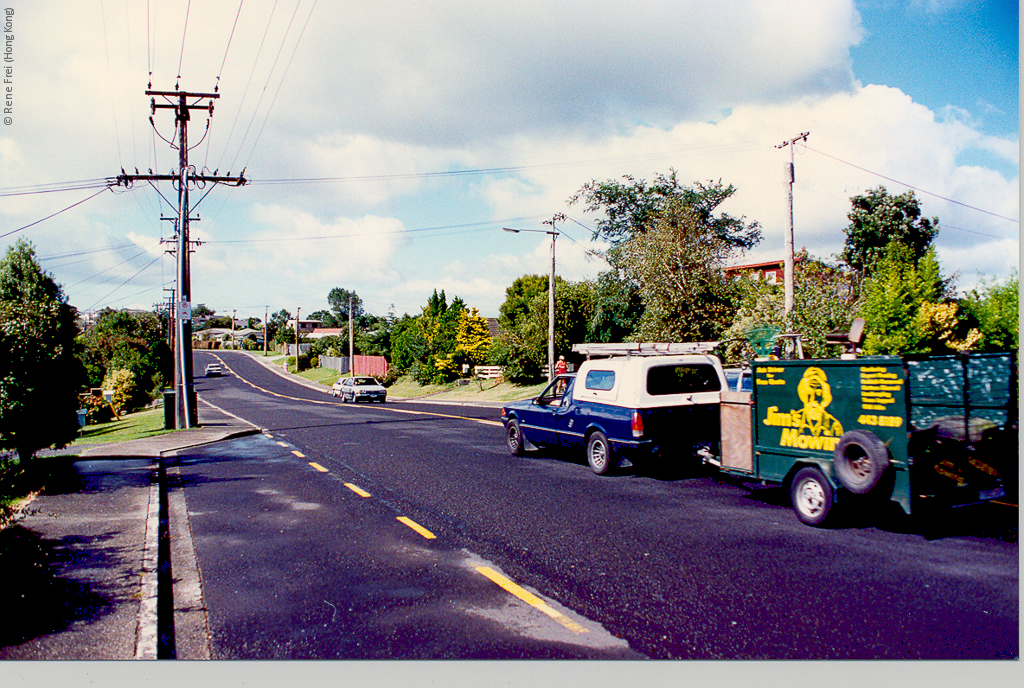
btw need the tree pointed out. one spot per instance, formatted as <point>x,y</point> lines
<point>877,219</point>
<point>39,374</point>
<point>633,207</point>
<point>338,300</point>
<point>685,296</point>
<point>472,339</point>
<point>277,323</point>
<point>893,300</point>
<point>678,264</point>
<point>996,307</point>
<point>202,311</point>
<point>128,340</point>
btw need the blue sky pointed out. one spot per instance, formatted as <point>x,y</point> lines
<point>403,104</point>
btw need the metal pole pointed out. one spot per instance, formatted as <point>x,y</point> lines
<point>351,342</point>
<point>297,311</point>
<point>265,316</point>
<point>551,310</point>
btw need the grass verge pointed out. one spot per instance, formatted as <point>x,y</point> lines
<point>131,426</point>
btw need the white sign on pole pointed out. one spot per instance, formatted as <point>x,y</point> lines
<point>184,310</point>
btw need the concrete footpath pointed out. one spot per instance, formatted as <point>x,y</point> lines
<point>88,560</point>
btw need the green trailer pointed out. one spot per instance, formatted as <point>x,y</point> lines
<point>908,429</point>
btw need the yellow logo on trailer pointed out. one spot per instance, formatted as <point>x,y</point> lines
<point>811,427</point>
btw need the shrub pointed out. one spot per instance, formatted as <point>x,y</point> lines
<point>126,392</point>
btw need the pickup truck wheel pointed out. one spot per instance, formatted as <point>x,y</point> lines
<point>860,459</point>
<point>599,454</point>
<point>811,495</point>
<point>514,437</point>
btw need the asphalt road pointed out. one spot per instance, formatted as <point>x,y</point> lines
<point>295,562</point>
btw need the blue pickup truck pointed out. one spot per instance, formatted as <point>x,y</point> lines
<point>630,407</point>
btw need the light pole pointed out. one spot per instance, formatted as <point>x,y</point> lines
<point>551,287</point>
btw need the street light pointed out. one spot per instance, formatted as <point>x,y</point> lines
<point>551,287</point>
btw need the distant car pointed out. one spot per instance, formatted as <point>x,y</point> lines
<point>214,370</point>
<point>359,389</point>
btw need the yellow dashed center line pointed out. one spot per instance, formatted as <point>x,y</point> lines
<point>317,466</point>
<point>282,444</point>
<point>417,527</point>
<point>358,490</point>
<point>298,453</point>
<point>529,598</point>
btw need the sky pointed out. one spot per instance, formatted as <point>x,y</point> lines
<point>388,144</point>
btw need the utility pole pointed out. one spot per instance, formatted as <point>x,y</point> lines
<point>186,415</point>
<point>351,342</point>
<point>551,296</point>
<point>551,286</point>
<point>297,311</point>
<point>266,315</point>
<point>789,178</point>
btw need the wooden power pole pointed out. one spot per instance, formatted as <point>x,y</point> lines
<point>186,414</point>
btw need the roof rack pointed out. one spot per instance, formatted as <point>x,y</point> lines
<point>644,348</point>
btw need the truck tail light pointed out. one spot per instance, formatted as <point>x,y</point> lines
<point>638,424</point>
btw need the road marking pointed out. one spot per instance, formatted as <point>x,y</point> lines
<point>996,501</point>
<point>417,527</point>
<point>529,598</point>
<point>317,466</point>
<point>282,444</point>
<point>298,453</point>
<point>359,491</point>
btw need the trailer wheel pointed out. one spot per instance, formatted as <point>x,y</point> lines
<point>811,494</point>
<point>599,453</point>
<point>514,437</point>
<point>860,459</point>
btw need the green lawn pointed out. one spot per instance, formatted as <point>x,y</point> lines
<point>131,426</point>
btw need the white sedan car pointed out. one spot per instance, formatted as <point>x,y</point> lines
<point>359,389</point>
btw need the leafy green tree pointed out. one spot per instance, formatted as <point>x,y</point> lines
<point>877,219</point>
<point>39,374</point>
<point>129,340</point>
<point>632,207</point>
<point>618,308</point>
<point>202,311</point>
<point>277,322</point>
<point>996,307</point>
<point>522,346</point>
<point>678,264</point>
<point>338,300</point>
<point>685,296</point>
<point>326,318</point>
<point>893,296</point>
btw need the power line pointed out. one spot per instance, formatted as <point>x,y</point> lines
<point>911,186</point>
<point>13,231</point>
<point>104,298</point>
<point>184,32</point>
<point>295,49</point>
<point>263,92</point>
<point>322,237</point>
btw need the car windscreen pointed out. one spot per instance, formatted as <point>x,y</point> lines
<point>365,381</point>
<point>682,379</point>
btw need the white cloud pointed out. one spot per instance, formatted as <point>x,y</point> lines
<point>564,92</point>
